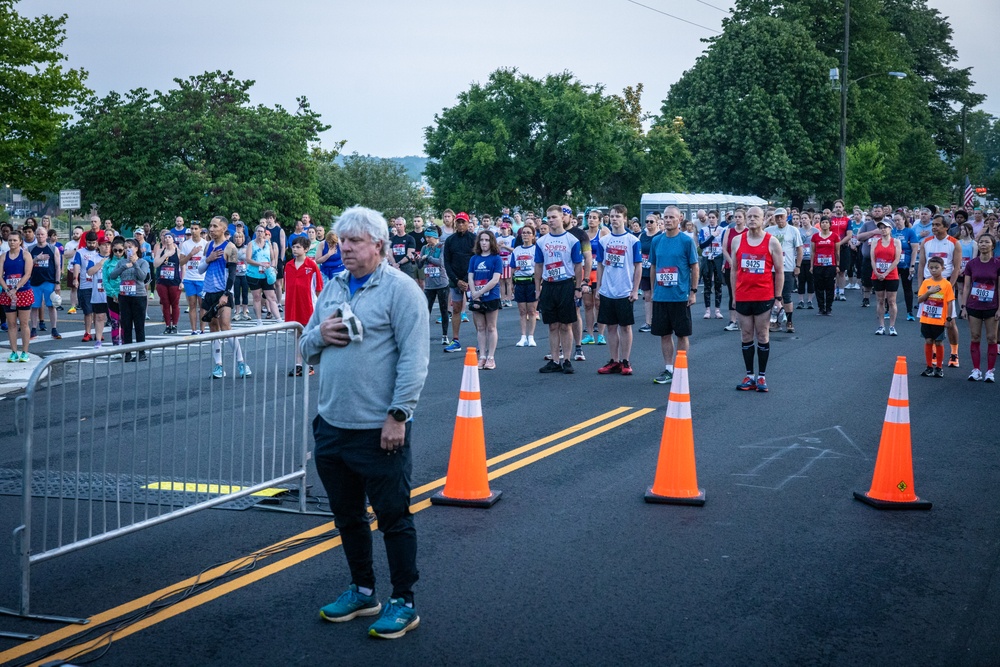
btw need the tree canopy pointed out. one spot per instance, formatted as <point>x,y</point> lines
<point>34,90</point>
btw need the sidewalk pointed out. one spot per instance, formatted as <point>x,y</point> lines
<point>14,376</point>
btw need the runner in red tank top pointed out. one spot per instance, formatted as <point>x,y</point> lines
<point>840,225</point>
<point>885,254</point>
<point>756,286</point>
<point>733,232</point>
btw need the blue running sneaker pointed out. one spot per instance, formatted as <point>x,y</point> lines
<point>601,340</point>
<point>587,340</point>
<point>748,384</point>
<point>910,317</point>
<point>243,371</point>
<point>218,373</point>
<point>761,384</point>
<point>350,605</point>
<point>454,347</point>
<point>465,318</point>
<point>396,620</point>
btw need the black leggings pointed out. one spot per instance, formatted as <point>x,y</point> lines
<point>826,281</point>
<point>806,278</point>
<point>712,276</point>
<point>241,291</point>
<point>726,279</point>
<point>906,282</point>
<point>133,314</point>
<point>441,296</point>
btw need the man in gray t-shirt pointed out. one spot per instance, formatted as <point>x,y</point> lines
<point>791,262</point>
<point>868,231</point>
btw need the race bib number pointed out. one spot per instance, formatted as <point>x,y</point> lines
<point>668,276</point>
<point>645,262</point>
<point>882,266</point>
<point>192,264</point>
<point>480,283</point>
<point>716,246</point>
<point>554,271</point>
<point>13,279</point>
<point>399,250</point>
<point>241,268</point>
<point>99,283</point>
<point>932,308</point>
<point>431,271</point>
<point>167,272</point>
<point>615,258</point>
<point>824,260</point>
<point>127,288</point>
<point>42,261</point>
<point>752,263</point>
<point>984,292</point>
<point>525,264</point>
<point>806,252</point>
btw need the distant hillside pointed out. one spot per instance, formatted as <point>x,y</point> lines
<point>414,164</point>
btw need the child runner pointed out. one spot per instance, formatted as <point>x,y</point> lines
<point>485,269</point>
<point>522,261</point>
<point>937,308</point>
<point>303,282</point>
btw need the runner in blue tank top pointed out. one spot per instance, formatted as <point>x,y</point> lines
<point>219,267</point>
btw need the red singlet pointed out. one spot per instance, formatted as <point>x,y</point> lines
<point>754,270</point>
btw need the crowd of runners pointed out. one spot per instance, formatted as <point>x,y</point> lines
<point>579,274</point>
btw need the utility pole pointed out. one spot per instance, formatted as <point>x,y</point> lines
<point>843,99</point>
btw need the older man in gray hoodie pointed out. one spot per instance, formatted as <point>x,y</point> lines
<point>368,337</point>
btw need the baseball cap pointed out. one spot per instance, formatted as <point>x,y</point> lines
<point>780,213</point>
<point>462,216</point>
<point>882,223</point>
<point>431,232</point>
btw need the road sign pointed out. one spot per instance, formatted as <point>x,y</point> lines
<point>69,200</point>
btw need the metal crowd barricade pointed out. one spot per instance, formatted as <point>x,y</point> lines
<point>112,447</point>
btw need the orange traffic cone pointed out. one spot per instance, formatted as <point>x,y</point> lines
<point>467,484</point>
<point>892,484</point>
<point>676,482</point>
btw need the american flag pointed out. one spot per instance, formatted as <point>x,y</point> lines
<point>967,199</point>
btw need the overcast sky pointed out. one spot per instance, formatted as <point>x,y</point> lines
<point>378,71</point>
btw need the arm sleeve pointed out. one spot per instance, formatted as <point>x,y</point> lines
<point>230,275</point>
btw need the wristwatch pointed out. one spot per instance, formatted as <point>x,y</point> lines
<point>694,290</point>
<point>397,414</point>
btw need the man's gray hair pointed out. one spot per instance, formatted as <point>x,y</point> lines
<point>360,220</point>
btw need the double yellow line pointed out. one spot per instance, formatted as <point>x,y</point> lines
<point>623,414</point>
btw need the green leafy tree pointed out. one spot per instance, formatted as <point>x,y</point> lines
<point>756,112</point>
<point>34,90</point>
<point>865,173</point>
<point>197,150</point>
<point>380,184</point>
<point>517,139</point>
<point>915,173</point>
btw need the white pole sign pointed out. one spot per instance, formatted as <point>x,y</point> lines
<point>69,200</point>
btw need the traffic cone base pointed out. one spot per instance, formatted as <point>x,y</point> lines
<point>440,499</point>
<point>917,504</point>
<point>698,500</point>
<point>467,483</point>
<point>892,482</point>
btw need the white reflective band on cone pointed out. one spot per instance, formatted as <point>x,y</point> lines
<point>679,410</point>
<point>897,414</point>
<point>899,388</point>
<point>470,379</point>
<point>679,385</point>
<point>469,408</point>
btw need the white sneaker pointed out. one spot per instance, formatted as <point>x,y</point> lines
<point>976,375</point>
<point>732,326</point>
<point>708,313</point>
<point>718,314</point>
<point>523,342</point>
<point>989,376</point>
<point>531,341</point>
<point>880,331</point>
<point>892,331</point>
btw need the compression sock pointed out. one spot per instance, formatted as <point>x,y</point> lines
<point>763,352</point>
<point>976,351</point>
<point>929,353</point>
<point>788,316</point>
<point>991,356</point>
<point>939,350</point>
<point>748,357</point>
<point>217,352</point>
<point>235,344</point>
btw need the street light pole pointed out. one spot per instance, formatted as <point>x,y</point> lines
<point>843,99</point>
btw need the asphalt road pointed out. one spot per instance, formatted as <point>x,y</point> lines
<point>781,565</point>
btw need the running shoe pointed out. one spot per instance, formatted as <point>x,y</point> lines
<point>98,343</point>
<point>3,326</point>
<point>567,367</point>
<point>579,354</point>
<point>34,333</point>
<point>445,341</point>
<point>939,372</point>
<point>809,306</point>
<point>522,343</point>
<point>773,327</point>
<point>72,310</point>
<point>761,384</point>
<point>548,357</point>
<point>24,358</point>
<point>732,326</point>
<point>60,308</point>
<point>886,316</point>
<point>396,620</point>
<point>865,303</point>
<point>129,358</point>
<point>587,340</point>
<point>143,356</point>
<point>14,356</point>
<point>295,372</point>
<point>465,318</point>
<point>910,317</point>
<point>645,328</point>
<point>718,314</point>
<point>748,384</point>
<point>550,367</point>
<point>611,367</point>
<point>531,341</point>
<point>490,365</point>
<point>880,331</point>
<point>989,377</point>
<point>439,320</point>
<point>892,331</point>
<point>626,367</point>
<point>42,327</point>
<point>666,377</point>
<point>350,605</point>
<point>454,347</point>
<point>801,306</point>
<point>86,338</point>
<point>842,297</point>
<point>218,373</point>
<point>927,372</point>
<point>953,361</point>
<point>708,314</point>
<point>312,371</point>
<point>789,328</point>
<point>976,375</point>
<point>243,371</point>
<point>482,363</point>
<point>601,340</point>
<point>55,334</point>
